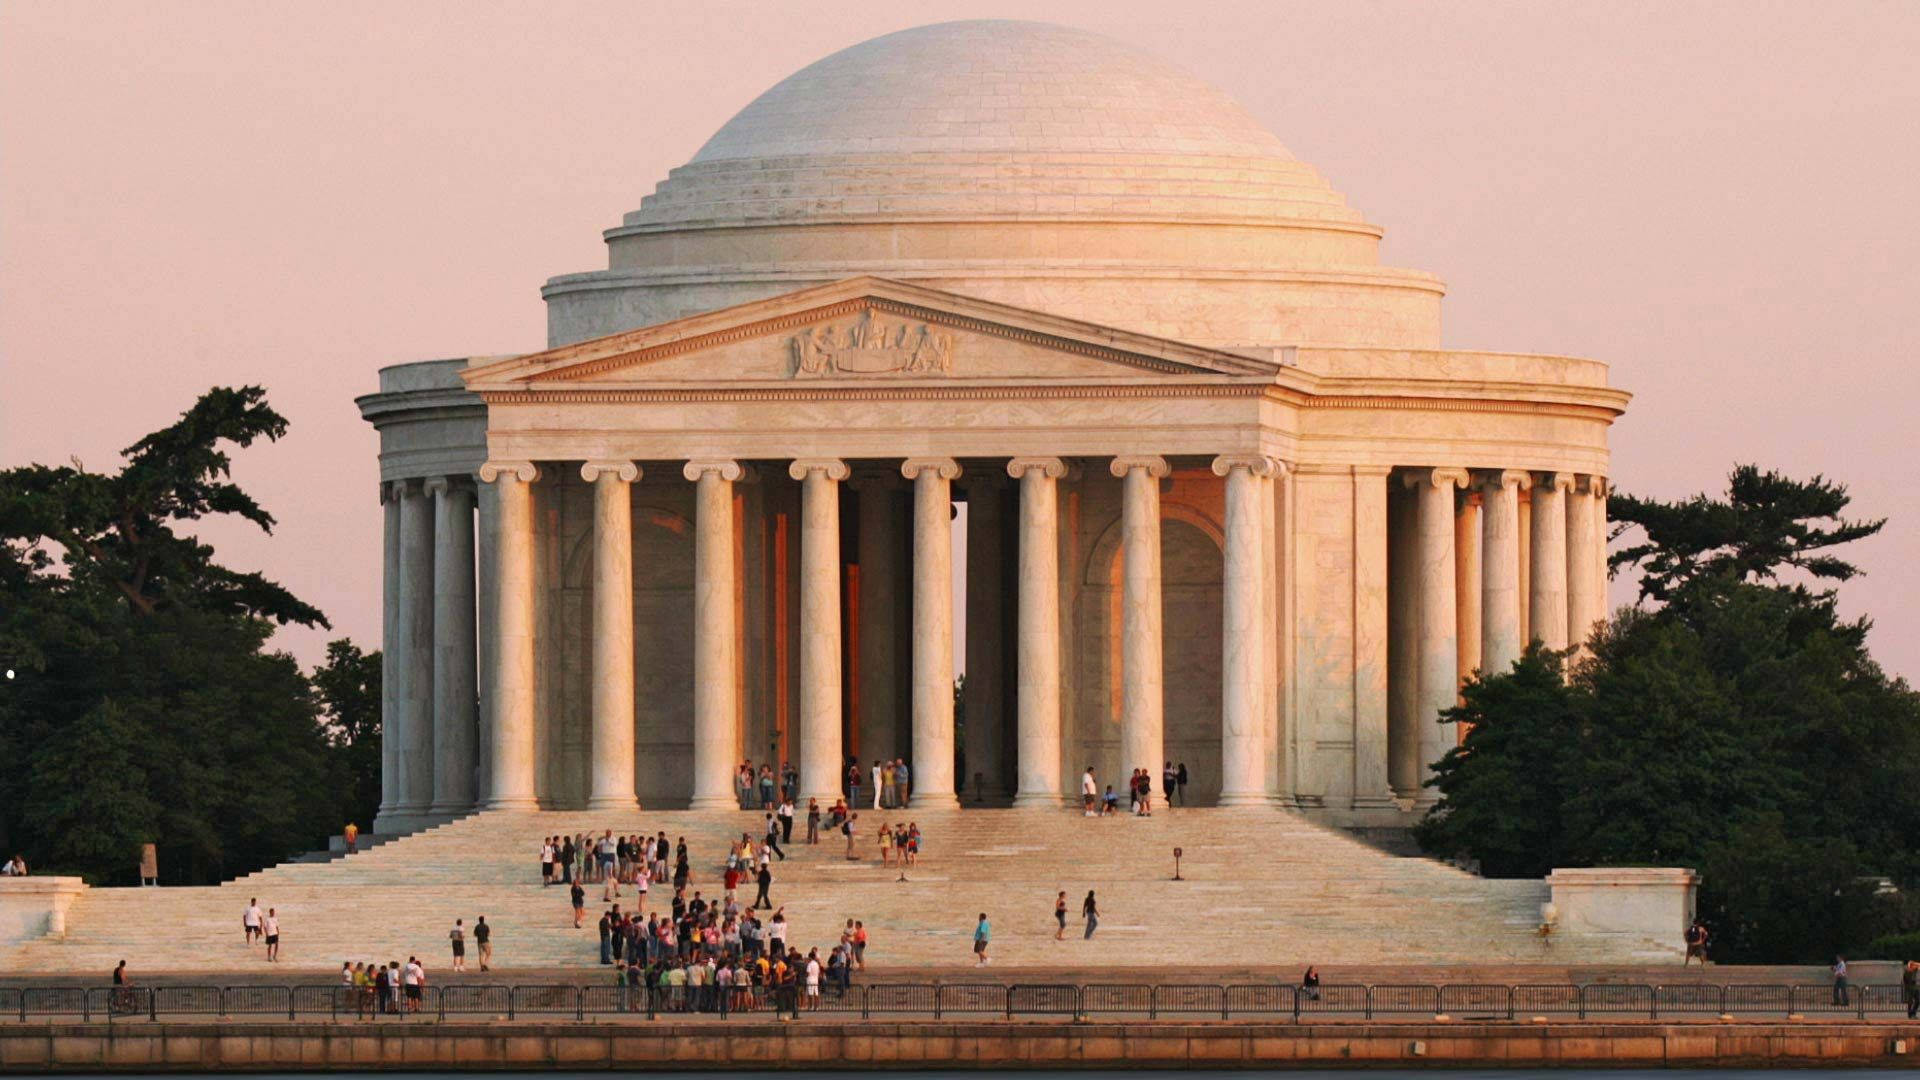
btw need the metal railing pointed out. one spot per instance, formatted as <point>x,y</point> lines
<point>1248,1001</point>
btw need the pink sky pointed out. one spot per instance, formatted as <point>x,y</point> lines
<point>1718,199</point>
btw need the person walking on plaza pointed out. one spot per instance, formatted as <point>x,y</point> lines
<point>773,837</point>
<point>982,935</point>
<point>579,896</point>
<point>250,920</point>
<point>1089,791</point>
<point>271,927</point>
<point>483,937</point>
<point>457,937</point>
<point>1060,916</point>
<point>860,944</point>
<point>1091,912</point>
<point>1840,981</point>
<point>764,880</point>
<point>786,821</point>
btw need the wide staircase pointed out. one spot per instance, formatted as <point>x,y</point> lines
<point>1262,889</point>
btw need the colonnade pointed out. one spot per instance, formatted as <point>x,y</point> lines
<point>1468,559</point>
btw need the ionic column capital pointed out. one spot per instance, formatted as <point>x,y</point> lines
<point>1596,486</point>
<point>441,485</point>
<point>524,471</point>
<point>1495,479</point>
<point>1257,464</point>
<point>1438,477</point>
<point>944,468</point>
<point>624,471</point>
<point>1557,481</point>
<point>1155,465</point>
<point>725,468</point>
<point>1051,467</point>
<point>833,468</point>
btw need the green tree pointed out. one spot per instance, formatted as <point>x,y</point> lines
<point>132,641</point>
<point>348,688</point>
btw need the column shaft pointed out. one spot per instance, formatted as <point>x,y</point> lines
<point>1584,607</point>
<point>1373,657</point>
<point>390,658</point>
<point>1549,563</point>
<point>1439,627</point>
<point>1244,659</point>
<point>716,706</point>
<point>415,736</point>
<point>613,708</point>
<point>932,763</point>
<point>512,679</point>
<point>821,762</point>
<point>1038,659</point>
<point>1467,586</point>
<point>1500,600</point>
<point>455,667</point>
<point>1142,730</point>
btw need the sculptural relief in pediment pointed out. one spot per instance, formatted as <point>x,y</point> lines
<point>871,343</point>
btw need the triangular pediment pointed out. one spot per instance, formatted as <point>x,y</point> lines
<point>862,331</point>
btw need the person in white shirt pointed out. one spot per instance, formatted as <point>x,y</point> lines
<point>250,920</point>
<point>1089,792</point>
<point>813,978</point>
<point>876,785</point>
<point>272,928</point>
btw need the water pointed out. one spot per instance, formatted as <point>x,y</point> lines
<point>1096,1074</point>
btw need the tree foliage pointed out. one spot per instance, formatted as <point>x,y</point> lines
<point>147,706</point>
<point>1734,723</point>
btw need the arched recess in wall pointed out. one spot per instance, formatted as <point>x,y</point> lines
<point>1191,568</point>
<point>662,654</point>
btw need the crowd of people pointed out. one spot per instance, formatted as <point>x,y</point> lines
<point>1095,803</point>
<point>385,989</point>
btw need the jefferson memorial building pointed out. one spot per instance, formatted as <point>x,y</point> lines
<point>1227,499</point>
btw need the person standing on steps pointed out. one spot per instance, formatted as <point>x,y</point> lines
<point>271,927</point>
<point>483,937</point>
<point>1089,791</point>
<point>546,861</point>
<point>351,834</point>
<point>853,781</point>
<point>773,837</point>
<point>876,783</point>
<point>786,821</point>
<point>813,821</point>
<point>579,896</point>
<point>250,920</point>
<point>902,782</point>
<point>1091,912</point>
<point>860,944</point>
<point>1181,781</point>
<point>1170,783</point>
<point>847,830</point>
<point>457,937</point>
<point>1060,916</point>
<point>982,935</point>
<point>765,881</point>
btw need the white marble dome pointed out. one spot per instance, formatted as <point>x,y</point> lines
<point>991,85</point>
<point>1032,164</point>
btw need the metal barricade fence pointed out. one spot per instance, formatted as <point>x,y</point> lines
<point>1336,1000</point>
<point>10,1002</point>
<point>256,1001</point>
<point>1472,1001</point>
<point>902,998</point>
<point>1107,999</point>
<point>560,998</point>
<point>1608,998</point>
<point>468,1000</point>
<point>834,1001</point>
<point>1260,999</point>
<point>1881,998</point>
<point>1546,999</point>
<point>970,998</point>
<point>1184,998</point>
<point>1403,1000</point>
<point>1684,998</point>
<point>601,1000</point>
<point>1750,998</point>
<point>118,1003</point>
<point>331,1001</point>
<point>1051,999</point>
<point>186,1001</point>
<point>53,1001</point>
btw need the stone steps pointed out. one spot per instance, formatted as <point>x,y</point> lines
<point>1259,883</point>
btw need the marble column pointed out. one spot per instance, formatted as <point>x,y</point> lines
<point>512,680</point>
<point>390,653</point>
<point>1372,787</point>
<point>821,760</point>
<point>1548,602</point>
<point>456,703</point>
<point>1500,599</point>
<point>415,736</point>
<point>932,762</point>
<point>987,727</point>
<point>716,702</point>
<point>1600,487</point>
<point>612,755</point>
<point>1584,606</point>
<point>878,554</point>
<point>1142,730</point>
<point>1467,584</point>
<point>1244,659</point>
<point>1038,658</point>
<point>1439,686</point>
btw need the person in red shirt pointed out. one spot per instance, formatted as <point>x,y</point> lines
<point>732,880</point>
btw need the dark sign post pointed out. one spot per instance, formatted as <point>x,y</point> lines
<point>1176,865</point>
